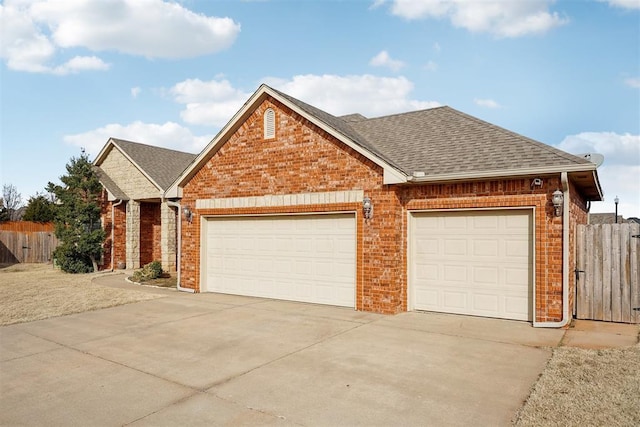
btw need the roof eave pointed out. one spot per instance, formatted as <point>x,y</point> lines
<point>500,173</point>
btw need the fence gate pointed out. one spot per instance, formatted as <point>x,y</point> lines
<point>608,273</point>
<point>24,241</point>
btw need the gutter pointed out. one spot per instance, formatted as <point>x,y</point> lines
<point>419,177</point>
<point>179,231</point>
<point>113,227</point>
<point>565,261</point>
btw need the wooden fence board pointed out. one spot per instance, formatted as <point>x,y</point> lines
<point>604,291</point>
<point>625,283</point>
<point>614,284</point>
<point>30,247</point>
<point>609,288</point>
<point>581,288</point>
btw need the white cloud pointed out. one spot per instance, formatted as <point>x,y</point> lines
<point>80,63</point>
<point>210,103</point>
<point>499,17</point>
<point>167,135</point>
<point>369,95</point>
<point>33,32</point>
<point>383,59</point>
<point>437,47</point>
<point>135,91</point>
<point>376,4</point>
<point>619,174</point>
<point>633,82</point>
<point>214,102</point>
<point>626,4</point>
<point>488,103</point>
<point>431,66</point>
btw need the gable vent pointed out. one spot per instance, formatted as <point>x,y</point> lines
<point>269,124</point>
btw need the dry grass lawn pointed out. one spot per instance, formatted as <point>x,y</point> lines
<point>31,292</point>
<point>586,388</point>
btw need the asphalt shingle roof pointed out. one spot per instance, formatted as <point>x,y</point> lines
<point>161,164</point>
<point>111,186</point>
<point>442,141</point>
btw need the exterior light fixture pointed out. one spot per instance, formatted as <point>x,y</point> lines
<point>616,201</point>
<point>188,215</point>
<point>557,200</point>
<point>367,208</point>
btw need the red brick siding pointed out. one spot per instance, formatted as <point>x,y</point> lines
<point>150,233</point>
<point>118,245</point>
<point>303,158</point>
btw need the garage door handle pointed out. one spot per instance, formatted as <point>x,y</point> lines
<point>577,273</point>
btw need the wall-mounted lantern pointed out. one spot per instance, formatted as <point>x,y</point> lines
<point>557,200</point>
<point>367,208</point>
<point>188,215</point>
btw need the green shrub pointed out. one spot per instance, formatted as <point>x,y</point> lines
<point>151,271</point>
<point>71,261</point>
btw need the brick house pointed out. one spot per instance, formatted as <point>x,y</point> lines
<point>427,210</point>
<point>139,222</point>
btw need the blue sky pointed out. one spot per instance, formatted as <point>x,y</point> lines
<point>74,72</point>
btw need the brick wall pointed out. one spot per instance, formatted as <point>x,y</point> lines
<point>150,233</point>
<point>302,158</point>
<point>118,245</point>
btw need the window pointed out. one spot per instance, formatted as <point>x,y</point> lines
<point>269,124</point>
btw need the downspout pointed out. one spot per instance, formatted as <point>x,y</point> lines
<point>565,260</point>
<point>179,254</point>
<point>113,234</point>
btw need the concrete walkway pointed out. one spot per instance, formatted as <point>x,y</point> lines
<point>211,359</point>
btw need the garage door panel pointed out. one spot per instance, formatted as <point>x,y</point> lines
<point>487,303</point>
<point>307,258</point>
<point>472,262</point>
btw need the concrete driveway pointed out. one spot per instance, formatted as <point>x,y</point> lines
<point>212,359</point>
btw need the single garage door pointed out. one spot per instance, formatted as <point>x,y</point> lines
<point>473,262</point>
<point>308,258</point>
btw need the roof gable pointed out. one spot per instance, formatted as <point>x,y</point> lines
<point>161,166</point>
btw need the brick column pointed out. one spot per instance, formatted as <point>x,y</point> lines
<point>133,234</point>
<point>168,237</point>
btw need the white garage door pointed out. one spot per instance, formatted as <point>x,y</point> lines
<point>473,262</point>
<point>309,258</point>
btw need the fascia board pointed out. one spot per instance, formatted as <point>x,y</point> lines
<point>502,173</point>
<point>103,152</point>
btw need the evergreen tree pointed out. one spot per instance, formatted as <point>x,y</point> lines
<point>4,212</point>
<point>39,209</point>
<point>77,218</point>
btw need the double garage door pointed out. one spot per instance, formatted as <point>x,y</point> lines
<point>308,258</point>
<point>472,262</point>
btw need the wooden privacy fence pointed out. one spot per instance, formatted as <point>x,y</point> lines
<point>608,272</point>
<point>24,241</point>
